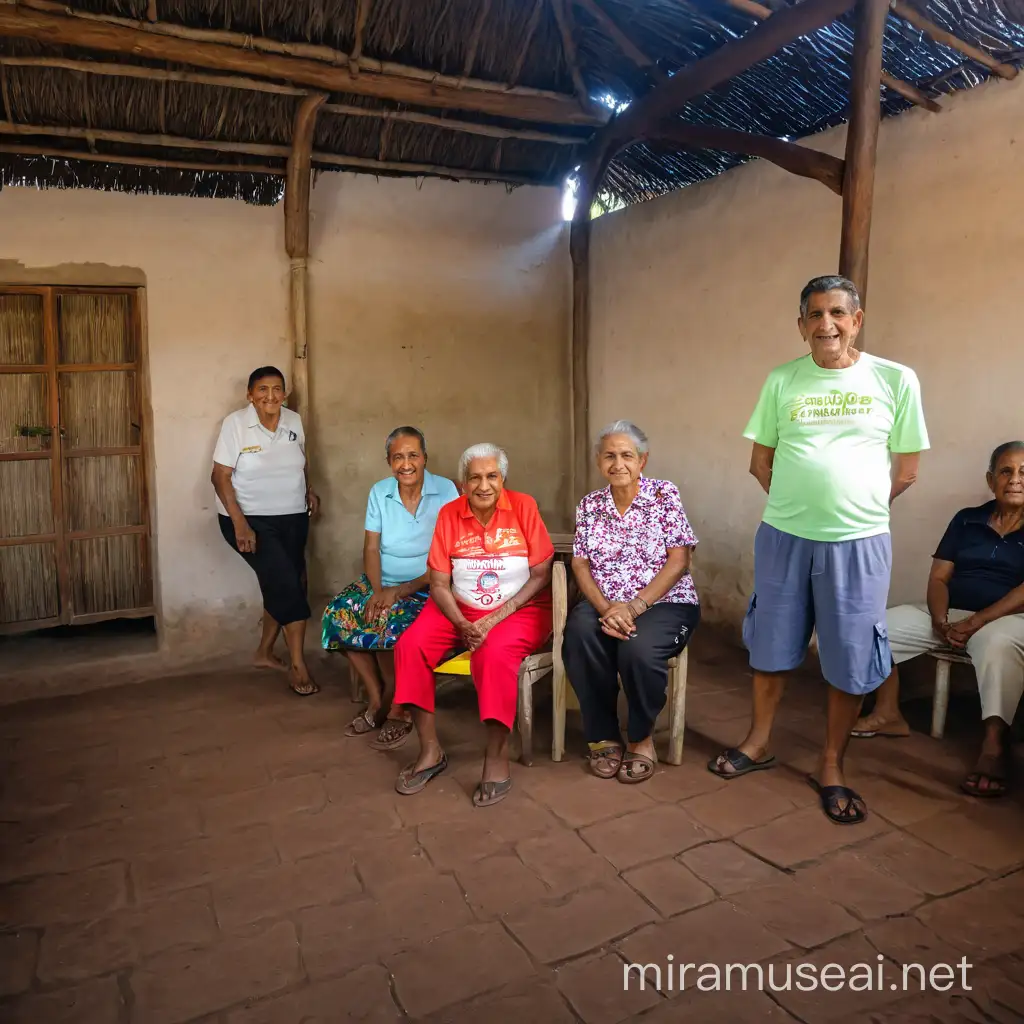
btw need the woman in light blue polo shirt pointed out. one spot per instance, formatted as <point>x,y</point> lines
<point>366,619</point>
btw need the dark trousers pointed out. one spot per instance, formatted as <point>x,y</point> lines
<point>594,661</point>
<point>279,562</point>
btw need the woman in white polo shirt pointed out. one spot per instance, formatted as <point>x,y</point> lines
<point>264,503</point>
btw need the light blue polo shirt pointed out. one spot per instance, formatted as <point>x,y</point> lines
<point>405,539</point>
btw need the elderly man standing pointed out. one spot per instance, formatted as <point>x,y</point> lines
<point>837,437</point>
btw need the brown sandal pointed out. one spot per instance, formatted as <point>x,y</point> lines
<point>393,734</point>
<point>362,724</point>
<point>605,760</point>
<point>635,768</point>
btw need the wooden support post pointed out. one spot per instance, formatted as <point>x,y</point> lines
<point>579,250</point>
<point>296,241</point>
<point>862,142</point>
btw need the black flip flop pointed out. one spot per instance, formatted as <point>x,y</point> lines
<point>831,806</point>
<point>998,775</point>
<point>410,782</point>
<point>741,763</point>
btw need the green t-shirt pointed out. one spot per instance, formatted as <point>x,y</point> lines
<point>832,431</point>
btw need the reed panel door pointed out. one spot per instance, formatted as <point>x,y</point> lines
<point>75,532</point>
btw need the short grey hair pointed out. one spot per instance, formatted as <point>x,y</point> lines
<point>631,430</point>
<point>830,283</point>
<point>1006,448</point>
<point>485,450</point>
<point>404,432</point>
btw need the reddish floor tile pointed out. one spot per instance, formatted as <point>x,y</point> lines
<point>717,1006</point>
<point>123,838</point>
<point>364,996</point>
<point>585,921</point>
<point>925,1008</point>
<point>451,845</point>
<point>718,933</point>
<point>274,892</point>
<point>743,804</point>
<point>76,952</point>
<point>203,860</point>
<point>992,838</point>
<point>176,987</point>
<point>859,884</point>
<point>267,803</point>
<point>499,885</point>
<point>381,861</point>
<point>455,967</point>
<point>980,921</point>
<point>728,869</point>
<point>580,799</point>
<point>672,783</point>
<point>849,988</point>
<point>904,799</point>
<point>669,886</point>
<point>348,935</point>
<point>650,834</point>
<point>77,896</point>
<point>597,992</point>
<point>803,836</point>
<point>564,862</point>
<point>94,1002</point>
<point>18,953</point>
<point>908,942</point>
<point>801,917</point>
<point>337,825</point>
<point>534,1000</point>
<point>919,865</point>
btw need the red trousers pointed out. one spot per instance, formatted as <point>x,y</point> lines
<point>494,666</point>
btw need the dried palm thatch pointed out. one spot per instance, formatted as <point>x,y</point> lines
<point>550,45</point>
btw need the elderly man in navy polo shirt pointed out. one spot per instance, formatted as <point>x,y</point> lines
<point>975,604</point>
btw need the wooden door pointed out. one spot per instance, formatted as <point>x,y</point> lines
<point>74,529</point>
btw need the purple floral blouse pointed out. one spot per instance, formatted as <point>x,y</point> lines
<point>627,552</point>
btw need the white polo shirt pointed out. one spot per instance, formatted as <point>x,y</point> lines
<point>268,467</point>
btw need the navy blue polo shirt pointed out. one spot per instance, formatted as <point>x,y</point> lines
<point>986,567</point>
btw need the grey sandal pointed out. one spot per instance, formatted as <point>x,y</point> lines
<point>410,781</point>
<point>488,793</point>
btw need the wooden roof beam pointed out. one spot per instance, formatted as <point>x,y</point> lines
<point>53,153</point>
<point>563,16</point>
<point>268,150</point>
<point>524,46</point>
<point>621,40</point>
<point>808,163</point>
<point>162,75</point>
<point>904,89</point>
<point>940,35</point>
<point>140,40</point>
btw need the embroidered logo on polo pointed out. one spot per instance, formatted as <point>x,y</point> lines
<point>253,449</point>
<point>836,405</point>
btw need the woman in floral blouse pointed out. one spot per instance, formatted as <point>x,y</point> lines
<point>631,559</point>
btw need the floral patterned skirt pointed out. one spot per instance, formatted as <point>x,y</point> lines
<point>344,626</point>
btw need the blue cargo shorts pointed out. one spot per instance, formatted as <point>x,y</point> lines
<point>839,588</point>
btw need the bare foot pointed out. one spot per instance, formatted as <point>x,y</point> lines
<point>880,724</point>
<point>270,660</point>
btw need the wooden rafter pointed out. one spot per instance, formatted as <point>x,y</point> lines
<point>140,39</point>
<point>524,47</point>
<point>258,85</point>
<point>862,142</point>
<point>268,150</point>
<point>362,14</point>
<point>904,89</point>
<point>621,40</point>
<point>808,163</point>
<point>940,35</point>
<point>54,153</point>
<point>151,11</point>
<point>563,16</point>
<point>300,157</point>
<point>475,35</point>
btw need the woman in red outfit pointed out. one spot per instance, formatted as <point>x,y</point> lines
<point>490,593</point>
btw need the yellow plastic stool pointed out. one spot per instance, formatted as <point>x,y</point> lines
<point>457,666</point>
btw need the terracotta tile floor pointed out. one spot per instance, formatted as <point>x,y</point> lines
<point>212,849</point>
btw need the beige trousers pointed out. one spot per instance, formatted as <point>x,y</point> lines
<point>996,650</point>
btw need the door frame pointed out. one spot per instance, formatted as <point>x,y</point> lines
<point>62,536</point>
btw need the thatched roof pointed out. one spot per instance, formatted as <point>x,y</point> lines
<point>551,46</point>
